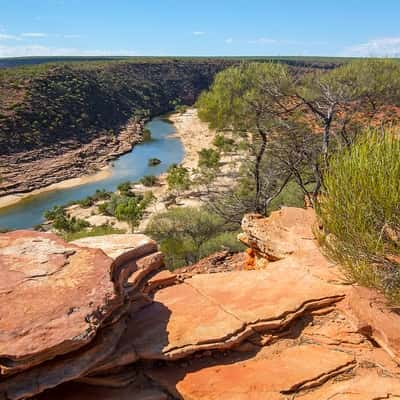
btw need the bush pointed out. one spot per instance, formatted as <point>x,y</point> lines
<point>209,159</point>
<point>178,178</point>
<point>100,194</point>
<point>149,180</point>
<point>223,143</point>
<point>127,208</point>
<point>101,230</point>
<point>187,234</point>
<point>360,209</point>
<point>125,189</point>
<point>63,223</point>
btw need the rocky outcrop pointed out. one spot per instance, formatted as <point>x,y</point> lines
<point>294,329</point>
<point>26,171</point>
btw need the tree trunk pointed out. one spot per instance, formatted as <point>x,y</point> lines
<point>257,172</point>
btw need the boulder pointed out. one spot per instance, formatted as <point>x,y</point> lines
<point>54,297</point>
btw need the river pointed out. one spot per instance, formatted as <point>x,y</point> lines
<point>129,167</point>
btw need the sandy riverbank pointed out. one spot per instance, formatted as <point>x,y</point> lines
<point>11,199</point>
<point>193,133</point>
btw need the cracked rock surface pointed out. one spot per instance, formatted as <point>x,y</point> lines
<point>293,328</point>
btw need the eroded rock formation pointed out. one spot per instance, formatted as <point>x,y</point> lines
<point>122,327</point>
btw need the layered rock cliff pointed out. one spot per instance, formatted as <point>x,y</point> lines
<point>101,319</point>
<point>59,121</point>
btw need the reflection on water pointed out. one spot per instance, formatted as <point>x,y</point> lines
<point>129,167</point>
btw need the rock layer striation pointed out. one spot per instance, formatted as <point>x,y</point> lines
<point>125,328</point>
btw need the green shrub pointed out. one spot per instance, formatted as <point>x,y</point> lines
<point>208,159</point>
<point>223,241</point>
<point>360,209</point>
<point>223,143</point>
<point>100,194</point>
<point>187,234</point>
<point>124,188</point>
<point>178,178</point>
<point>63,223</point>
<point>101,230</point>
<point>149,180</point>
<point>127,208</point>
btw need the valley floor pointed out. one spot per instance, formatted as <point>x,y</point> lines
<point>195,135</point>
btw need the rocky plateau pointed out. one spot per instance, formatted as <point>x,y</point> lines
<point>102,318</point>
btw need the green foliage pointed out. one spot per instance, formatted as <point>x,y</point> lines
<point>129,208</point>
<point>63,223</point>
<point>187,234</point>
<point>41,105</point>
<point>178,178</point>
<point>223,241</point>
<point>209,159</point>
<point>101,230</point>
<point>223,143</point>
<point>149,180</point>
<point>100,194</point>
<point>360,210</point>
<point>124,189</point>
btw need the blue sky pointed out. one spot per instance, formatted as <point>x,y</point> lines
<point>200,27</point>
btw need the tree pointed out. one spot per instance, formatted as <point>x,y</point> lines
<point>178,178</point>
<point>343,101</point>
<point>249,100</point>
<point>130,210</point>
<point>279,110</point>
<point>187,234</point>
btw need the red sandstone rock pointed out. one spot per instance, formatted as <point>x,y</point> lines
<point>281,234</point>
<point>371,316</point>
<point>257,379</point>
<point>220,311</point>
<point>54,297</point>
<point>125,250</point>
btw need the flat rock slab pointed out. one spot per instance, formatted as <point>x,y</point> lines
<point>125,250</point>
<point>178,322</point>
<point>267,298</point>
<point>368,386</point>
<point>295,368</point>
<point>369,312</point>
<point>121,248</point>
<point>53,297</point>
<point>220,310</point>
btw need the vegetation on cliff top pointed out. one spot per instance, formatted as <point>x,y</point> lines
<point>309,130</point>
<point>360,210</point>
<point>45,104</point>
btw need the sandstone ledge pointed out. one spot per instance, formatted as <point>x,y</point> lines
<point>294,329</point>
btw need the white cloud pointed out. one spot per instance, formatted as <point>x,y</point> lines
<point>384,47</point>
<point>198,33</point>
<point>229,40</point>
<point>37,50</point>
<point>34,34</point>
<point>4,36</point>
